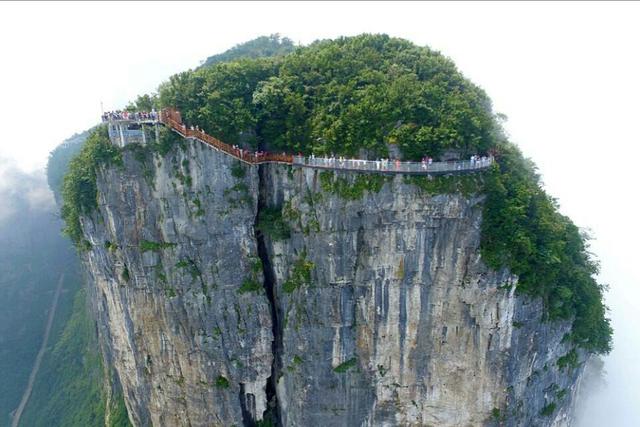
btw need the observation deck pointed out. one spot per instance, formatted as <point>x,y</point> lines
<point>131,128</point>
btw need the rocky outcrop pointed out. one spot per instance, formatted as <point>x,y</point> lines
<point>179,286</point>
<point>376,309</point>
<point>401,323</point>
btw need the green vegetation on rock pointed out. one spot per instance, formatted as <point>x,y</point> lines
<point>222,382</point>
<point>149,246</point>
<point>569,360</point>
<point>238,170</point>
<point>448,184</point>
<point>300,274</point>
<point>69,389</point>
<point>523,230</point>
<point>345,366</point>
<point>352,189</point>
<point>272,223</point>
<point>548,409</point>
<point>249,285</point>
<point>79,191</point>
<point>168,140</point>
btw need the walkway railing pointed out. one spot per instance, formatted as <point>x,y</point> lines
<point>125,116</point>
<point>172,119</point>
<point>169,119</point>
<point>393,166</point>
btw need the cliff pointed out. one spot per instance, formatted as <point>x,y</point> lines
<point>230,294</point>
<point>173,248</point>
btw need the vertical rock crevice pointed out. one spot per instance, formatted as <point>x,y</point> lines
<point>272,413</point>
<point>248,407</point>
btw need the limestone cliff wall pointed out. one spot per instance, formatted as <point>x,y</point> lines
<point>173,244</point>
<point>376,311</point>
<point>399,293</point>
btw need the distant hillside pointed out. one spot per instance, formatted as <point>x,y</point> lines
<point>263,46</point>
<point>59,159</point>
<point>69,388</point>
<point>33,256</point>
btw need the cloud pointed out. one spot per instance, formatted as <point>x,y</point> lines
<point>22,193</point>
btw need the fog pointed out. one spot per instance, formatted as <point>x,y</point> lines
<point>566,75</point>
<point>22,193</point>
<point>32,256</point>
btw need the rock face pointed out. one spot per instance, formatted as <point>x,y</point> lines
<point>401,322</point>
<point>377,310</point>
<point>179,287</point>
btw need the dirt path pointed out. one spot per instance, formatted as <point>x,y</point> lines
<point>36,365</point>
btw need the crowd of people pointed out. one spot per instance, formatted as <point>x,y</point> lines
<point>384,164</point>
<point>344,162</point>
<point>127,115</point>
<point>480,161</point>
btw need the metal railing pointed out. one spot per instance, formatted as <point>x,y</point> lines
<point>240,154</point>
<point>172,119</point>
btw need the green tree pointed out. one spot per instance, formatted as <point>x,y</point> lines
<point>522,229</point>
<point>264,46</point>
<point>144,103</point>
<point>219,98</point>
<point>339,96</point>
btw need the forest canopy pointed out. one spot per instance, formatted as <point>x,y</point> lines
<point>355,95</point>
<point>264,46</point>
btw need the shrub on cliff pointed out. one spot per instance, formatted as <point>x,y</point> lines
<point>79,191</point>
<point>522,229</point>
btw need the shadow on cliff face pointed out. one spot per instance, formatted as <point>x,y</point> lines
<point>272,414</point>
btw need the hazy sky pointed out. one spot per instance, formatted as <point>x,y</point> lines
<point>566,74</point>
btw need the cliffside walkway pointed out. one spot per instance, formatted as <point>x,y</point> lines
<point>173,120</point>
